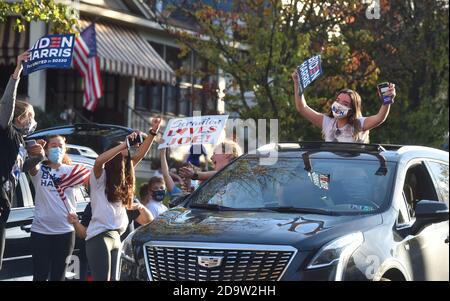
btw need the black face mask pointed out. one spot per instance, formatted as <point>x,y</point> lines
<point>159,195</point>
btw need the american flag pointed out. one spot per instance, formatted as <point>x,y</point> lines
<point>85,60</point>
<point>79,175</point>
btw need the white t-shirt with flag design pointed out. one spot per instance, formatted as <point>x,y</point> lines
<point>50,213</point>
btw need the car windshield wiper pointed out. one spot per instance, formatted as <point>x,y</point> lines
<point>290,209</point>
<point>217,207</point>
<point>214,207</point>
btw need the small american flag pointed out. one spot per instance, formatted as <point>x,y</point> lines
<point>79,175</point>
<point>85,60</point>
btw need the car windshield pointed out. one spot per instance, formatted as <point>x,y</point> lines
<point>332,186</point>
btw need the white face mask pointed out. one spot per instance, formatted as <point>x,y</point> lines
<point>339,111</point>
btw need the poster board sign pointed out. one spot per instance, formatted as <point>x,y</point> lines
<point>193,130</point>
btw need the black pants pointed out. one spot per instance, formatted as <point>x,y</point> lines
<point>50,254</point>
<point>2,240</point>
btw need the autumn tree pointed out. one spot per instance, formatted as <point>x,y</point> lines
<point>62,17</point>
<point>258,43</point>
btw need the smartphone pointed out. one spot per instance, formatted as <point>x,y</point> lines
<point>382,89</point>
<point>137,140</point>
<point>30,143</point>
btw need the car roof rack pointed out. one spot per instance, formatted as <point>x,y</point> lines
<point>341,146</point>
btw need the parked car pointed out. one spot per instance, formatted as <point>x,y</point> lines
<point>17,260</point>
<point>323,211</point>
<point>91,135</point>
<point>79,151</point>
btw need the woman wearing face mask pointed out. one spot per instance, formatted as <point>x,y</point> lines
<point>112,186</point>
<point>52,236</point>
<point>16,121</point>
<point>345,122</point>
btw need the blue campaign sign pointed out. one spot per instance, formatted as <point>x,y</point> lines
<point>308,71</point>
<point>51,51</point>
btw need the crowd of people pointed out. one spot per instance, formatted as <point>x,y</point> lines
<point>112,183</point>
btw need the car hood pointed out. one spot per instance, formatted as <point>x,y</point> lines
<point>305,231</point>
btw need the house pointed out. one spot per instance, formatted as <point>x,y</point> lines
<point>138,60</point>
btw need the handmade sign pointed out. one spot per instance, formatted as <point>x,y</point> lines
<point>193,130</point>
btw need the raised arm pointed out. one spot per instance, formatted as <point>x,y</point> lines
<point>375,120</point>
<point>145,146</point>
<point>105,157</point>
<point>302,107</point>
<point>8,99</point>
<point>165,171</point>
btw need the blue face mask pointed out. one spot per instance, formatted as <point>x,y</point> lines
<point>55,155</point>
<point>159,195</point>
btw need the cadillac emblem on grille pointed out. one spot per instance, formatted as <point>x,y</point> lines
<point>209,261</point>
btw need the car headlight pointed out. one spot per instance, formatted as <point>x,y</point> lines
<point>337,251</point>
<point>126,251</point>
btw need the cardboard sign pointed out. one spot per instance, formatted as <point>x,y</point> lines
<point>308,72</point>
<point>51,51</point>
<point>193,130</point>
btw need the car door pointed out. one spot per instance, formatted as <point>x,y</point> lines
<point>426,249</point>
<point>439,171</point>
<point>17,256</point>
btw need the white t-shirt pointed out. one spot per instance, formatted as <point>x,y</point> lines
<point>50,214</point>
<point>156,208</point>
<point>106,216</point>
<point>329,128</point>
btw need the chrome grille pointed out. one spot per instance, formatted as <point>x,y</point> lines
<point>179,261</point>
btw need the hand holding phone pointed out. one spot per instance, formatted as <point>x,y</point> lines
<point>383,92</point>
<point>136,140</point>
<point>30,143</point>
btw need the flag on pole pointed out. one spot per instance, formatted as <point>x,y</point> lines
<point>78,176</point>
<point>85,60</point>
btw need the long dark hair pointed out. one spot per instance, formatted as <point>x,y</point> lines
<point>120,179</point>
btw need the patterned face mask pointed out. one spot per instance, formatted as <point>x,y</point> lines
<point>339,111</point>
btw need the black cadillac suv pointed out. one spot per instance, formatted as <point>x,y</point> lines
<point>322,211</point>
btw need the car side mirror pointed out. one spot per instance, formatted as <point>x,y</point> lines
<point>178,200</point>
<point>429,212</point>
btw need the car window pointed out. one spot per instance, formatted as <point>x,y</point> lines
<point>341,185</point>
<point>418,186</point>
<point>23,195</point>
<point>440,174</point>
<point>17,201</point>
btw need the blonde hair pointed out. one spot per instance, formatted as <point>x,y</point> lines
<point>21,108</point>
<point>229,147</point>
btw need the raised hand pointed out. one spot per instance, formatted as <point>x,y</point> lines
<point>156,122</point>
<point>21,58</point>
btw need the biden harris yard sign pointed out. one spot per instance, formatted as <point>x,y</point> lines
<point>51,51</point>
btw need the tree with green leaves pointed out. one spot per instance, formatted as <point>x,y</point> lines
<point>62,17</point>
<point>258,43</point>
